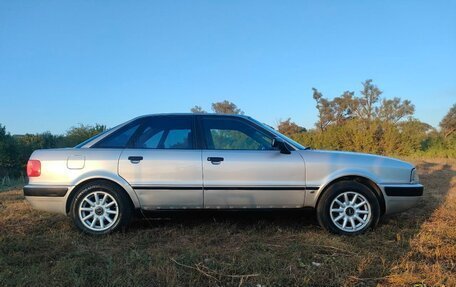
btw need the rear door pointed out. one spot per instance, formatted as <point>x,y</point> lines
<point>163,165</point>
<point>242,170</point>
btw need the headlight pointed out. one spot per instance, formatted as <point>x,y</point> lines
<point>414,177</point>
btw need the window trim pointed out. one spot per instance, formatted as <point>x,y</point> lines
<point>202,137</point>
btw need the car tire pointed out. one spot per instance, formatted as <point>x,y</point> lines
<point>101,207</point>
<point>348,208</point>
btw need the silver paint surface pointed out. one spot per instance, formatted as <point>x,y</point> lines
<point>167,170</point>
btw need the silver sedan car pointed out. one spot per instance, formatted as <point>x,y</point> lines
<point>212,161</point>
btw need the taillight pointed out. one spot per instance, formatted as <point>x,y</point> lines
<point>33,168</point>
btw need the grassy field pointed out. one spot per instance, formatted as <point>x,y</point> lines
<point>234,249</point>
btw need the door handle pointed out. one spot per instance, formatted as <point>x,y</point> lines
<point>135,159</point>
<point>215,160</point>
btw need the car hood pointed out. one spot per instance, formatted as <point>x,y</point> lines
<point>324,163</point>
<point>357,156</point>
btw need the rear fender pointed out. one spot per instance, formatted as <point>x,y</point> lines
<point>101,174</point>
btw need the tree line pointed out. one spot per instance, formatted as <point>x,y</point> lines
<point>15,150</point>
<point>366,123</point>
<point>369,123</point>
<point>363,122</point>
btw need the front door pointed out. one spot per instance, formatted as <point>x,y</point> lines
<point>241,169</point>
<point>163,164</point>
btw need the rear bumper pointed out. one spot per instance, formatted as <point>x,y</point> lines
<point>47,198</point>
<point>47,191</point>
<point>402,197</point>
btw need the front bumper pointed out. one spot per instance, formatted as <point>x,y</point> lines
<point>402,197</point>
<point>47,198</point>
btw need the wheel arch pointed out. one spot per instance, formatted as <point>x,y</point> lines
<point>131,195</point>
<point>360,179</point>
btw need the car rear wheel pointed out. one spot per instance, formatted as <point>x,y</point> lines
<point>348,207</point>
<point>100,208</point>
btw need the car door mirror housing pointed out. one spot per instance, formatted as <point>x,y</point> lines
<point>279,144</point>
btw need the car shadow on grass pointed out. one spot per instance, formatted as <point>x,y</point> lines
<point>289,218</point>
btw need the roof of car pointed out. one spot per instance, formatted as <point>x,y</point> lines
<point>193,114</point>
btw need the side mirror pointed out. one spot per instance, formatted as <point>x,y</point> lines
<point>279,144</point>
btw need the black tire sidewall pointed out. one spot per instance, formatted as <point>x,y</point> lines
<point>117,193</point>
<point>323,213</point>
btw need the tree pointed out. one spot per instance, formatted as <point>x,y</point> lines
<point>324,108</point>
<point>366,107</point>
<point>366,123</point>
<point>9,166</point>
<point>80,133</point>
<point>226,107</point>
<point>342,107</point>
<point>448,123</point>
<point>289,128</point>
<point>336,111</point>
<point>197,110</point>
<point>395,110</point>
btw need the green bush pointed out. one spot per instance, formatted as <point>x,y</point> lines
<point>404,139</point>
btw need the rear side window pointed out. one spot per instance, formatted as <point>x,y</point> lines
<point>118,139</point>
<point>150,138</point>
<point>166,133</point>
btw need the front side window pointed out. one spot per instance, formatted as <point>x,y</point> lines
<point>234,134</point>
<point>165,133</point>
<point>291,142</point>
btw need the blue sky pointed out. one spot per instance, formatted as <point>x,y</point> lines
<point>69,62</point>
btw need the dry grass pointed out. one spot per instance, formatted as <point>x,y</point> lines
<point>233,249</point>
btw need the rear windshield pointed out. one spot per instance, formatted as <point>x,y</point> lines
<point>92,138</point>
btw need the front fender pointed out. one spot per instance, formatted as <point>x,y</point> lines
<point>316,188</point>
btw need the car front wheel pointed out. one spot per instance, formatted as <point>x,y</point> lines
<point>100,208</point>
<point>349,208</point>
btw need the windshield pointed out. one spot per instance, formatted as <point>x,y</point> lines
<point>287,139</point>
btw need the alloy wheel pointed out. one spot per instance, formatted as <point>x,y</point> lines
<point>350,211</point>
<point>98,211</point>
